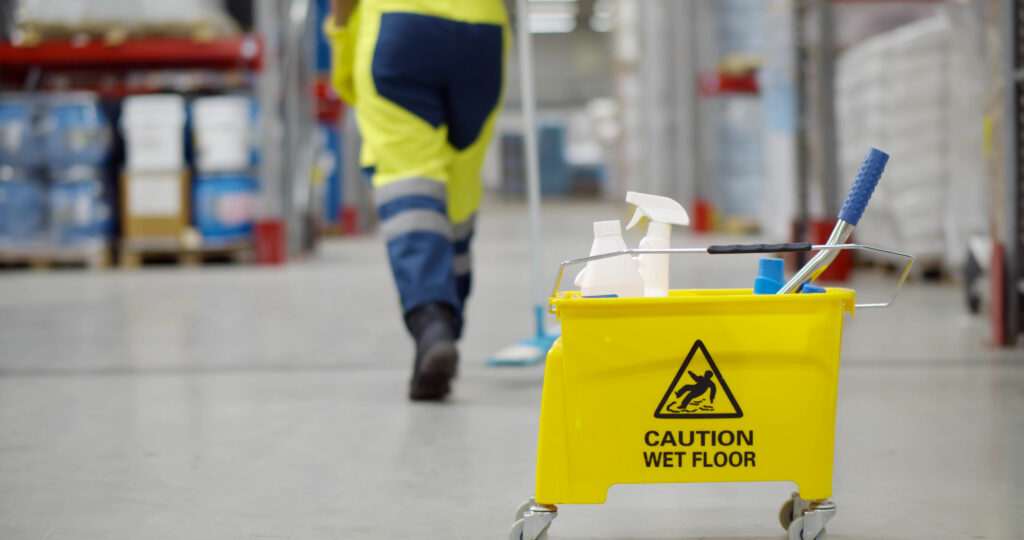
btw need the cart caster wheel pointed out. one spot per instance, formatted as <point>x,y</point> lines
<point>521,511</point>
<point>786,514</point>
<point>517,532</point>
<point>796,530</point>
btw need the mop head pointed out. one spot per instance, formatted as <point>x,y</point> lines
<point>524,353</point>
<point>528,351</point>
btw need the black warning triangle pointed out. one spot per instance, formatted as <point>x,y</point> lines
<point>698,390</point>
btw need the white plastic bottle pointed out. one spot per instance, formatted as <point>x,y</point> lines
<point>663,213</point>
<point>614,276</point>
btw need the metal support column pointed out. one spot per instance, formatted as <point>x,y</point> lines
<point>803,179</point>
<point>298,78</point>
<point>1013,18</point>
<point>824,110</point>
<point>817,151</point>
<point>268,16</point>
<point>287,138</point>
<point>687,149</point>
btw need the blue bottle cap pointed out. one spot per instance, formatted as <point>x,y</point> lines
<point>771,268</point>
<point>766,286</point>
<point>770,276</point>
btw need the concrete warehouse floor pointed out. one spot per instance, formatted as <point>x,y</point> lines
<point>269,403</point>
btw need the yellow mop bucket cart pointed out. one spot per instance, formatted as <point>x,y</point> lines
<point>699,386</point>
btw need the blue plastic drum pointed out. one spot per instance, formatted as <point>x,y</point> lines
<point>77,131</point>
<point>255,150</point>
<point>80,207</point>
<point>20,142</point>
<point>224,207</point>
<point>23,208</point>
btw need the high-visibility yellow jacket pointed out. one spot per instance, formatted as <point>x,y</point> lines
<point>344,39</point>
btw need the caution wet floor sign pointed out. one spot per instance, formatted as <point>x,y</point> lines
<point>698,390</point>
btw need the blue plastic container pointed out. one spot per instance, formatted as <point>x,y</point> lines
<point>224,207</point>
<point>554,170</point>
<point>80,207</point>
<point>255,119</point>
<point>23,207</point>
<point>77,131</point>
<point>21,144</point>
<point>329,164</point>
<point>323,43</point>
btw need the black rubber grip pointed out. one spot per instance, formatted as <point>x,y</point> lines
<point>758,248</point>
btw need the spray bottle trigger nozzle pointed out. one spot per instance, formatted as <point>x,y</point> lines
<point>637,216</point>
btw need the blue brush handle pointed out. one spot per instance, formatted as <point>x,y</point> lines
<point>863,186</point>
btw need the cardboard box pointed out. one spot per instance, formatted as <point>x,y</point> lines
<point>155,204</point>
<point>154,132</point>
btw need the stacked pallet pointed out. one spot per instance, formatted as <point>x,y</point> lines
<point>44,256</point>
<point>116,20</point>
<point>917,93</point>
<point>133,253</point>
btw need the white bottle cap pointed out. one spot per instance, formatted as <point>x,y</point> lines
<point>607,228</point>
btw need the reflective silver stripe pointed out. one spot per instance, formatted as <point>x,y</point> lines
<point>462,264</point>
<point>461,231</point>
<point>416,220</point>
<point>408,187</point>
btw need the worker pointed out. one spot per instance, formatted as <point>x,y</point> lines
<point>425,78</point>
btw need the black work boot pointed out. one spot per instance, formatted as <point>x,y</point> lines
<point>432,326</point>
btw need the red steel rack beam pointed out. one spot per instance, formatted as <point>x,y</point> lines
<point>135,53</point>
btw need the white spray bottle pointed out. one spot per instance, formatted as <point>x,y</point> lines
<point>612,277</point>
<point>662,213</point>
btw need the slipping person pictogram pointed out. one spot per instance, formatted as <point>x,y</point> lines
<point>690,395</point>
<point>702,385</point>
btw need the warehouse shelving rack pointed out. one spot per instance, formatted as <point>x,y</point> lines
<point>278,53</point>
